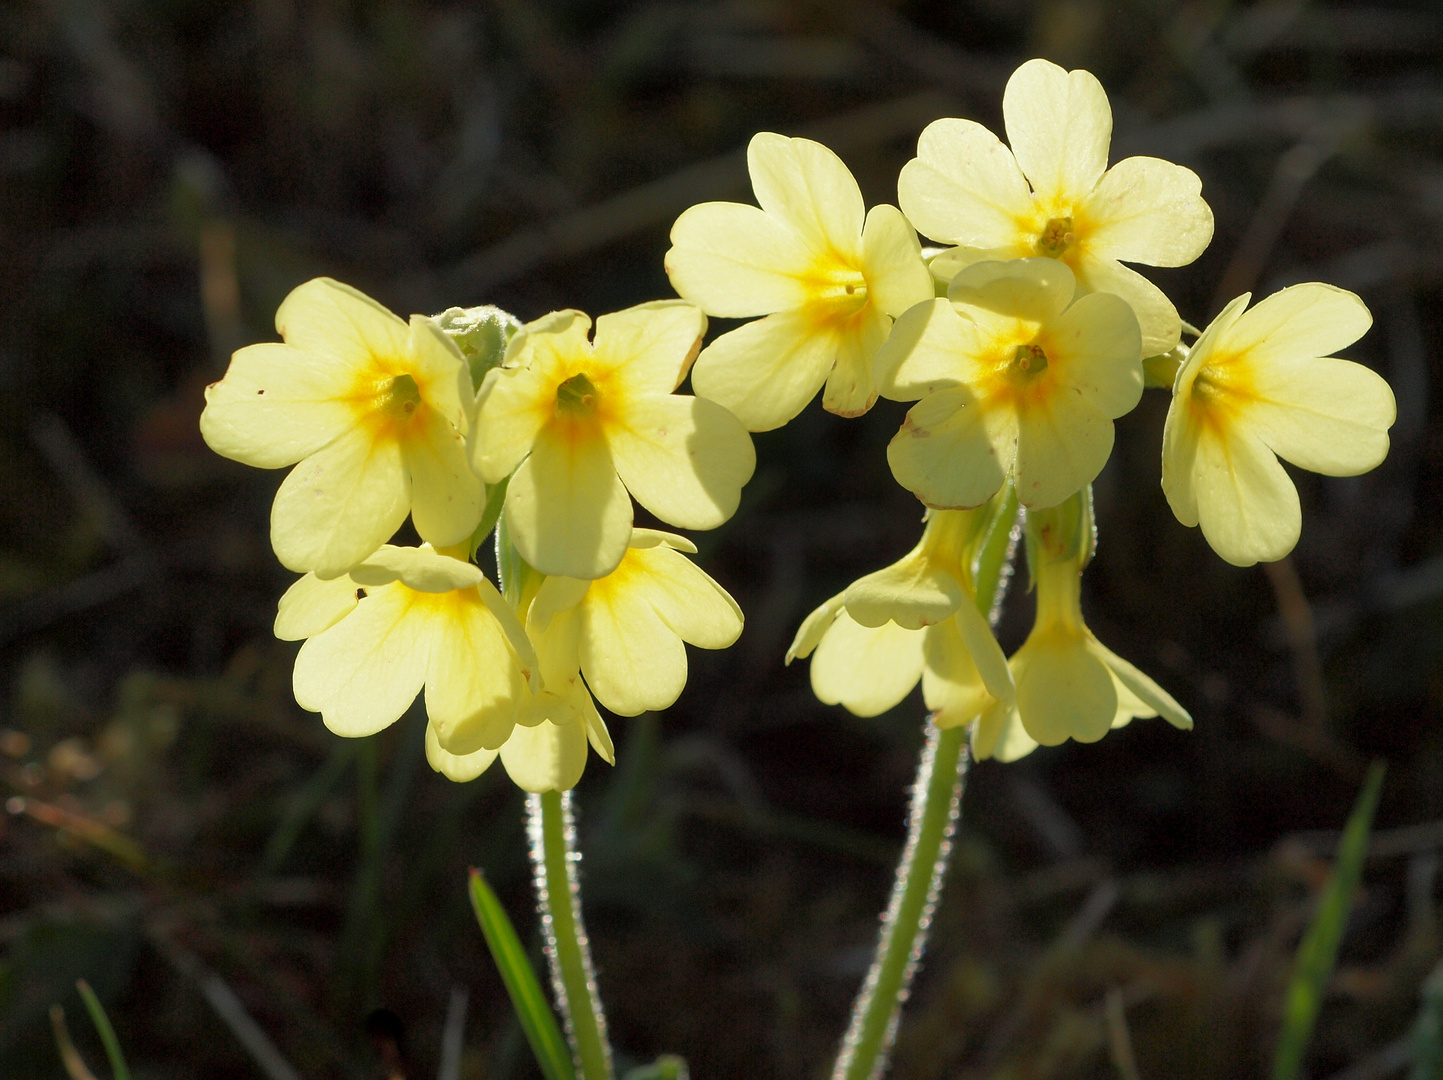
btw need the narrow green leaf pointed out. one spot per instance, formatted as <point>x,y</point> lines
<point>106,1032</point>
<point>666,1067</point>
<point>1319,949</point>
<point>495,500</point>
<point>1427,1035</point>
<point>532,1008</point>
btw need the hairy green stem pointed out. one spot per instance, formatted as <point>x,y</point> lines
<point>932,818</point>
<point>554,856</point>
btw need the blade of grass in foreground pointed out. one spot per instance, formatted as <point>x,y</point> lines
<point>1319,949</point>
<point>527,997</point>
<point>107,1033</point>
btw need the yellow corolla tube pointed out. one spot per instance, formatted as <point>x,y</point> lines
<point>828,276</point>
<point>371,410</point>
<point>578,423</point>
<point>1260,385</point>
<point>1069,685</point>
<point>1052,195</point>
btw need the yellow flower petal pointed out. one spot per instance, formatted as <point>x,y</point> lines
<point>868,670</point>
<point>420,568</point>
<point>276,405</point>
<point>547,757</point>
<point>952,452</point>
<point>1094,344</point>
<point>446,496</point>
<point>650,538</point>
<point>632,660</point>
<point>914,592</point>
<point>1034,290</point>
<point>766,371</point>
<point>365,671</point>
<point>1063,691</point>
<point>1324,415</point>
<point>892,262</point>
<point>807,186</point>
<point>652,346</point>
<point>473,682</point>
<point>1156,317</point>
<point>851,389</point>
<point>1302,321</point>
<point>340,504</point>
<point>510,413</point>
<point>999,734</point>
<point>684,458</point>
<point>1149,211</point>
<point>1157,700</point>
<point>1062,444</point>
<point>986,653</point>
<point>814,627</point>
<point>1059,125</point>
<point>735,261</point>
<point>1246,504</point>
<point>685,598</point>
<point>566,508</point>
<point>951,686</point>
<point>440,371</point>
<point>932,347</point>
<point>596,733</point>
<point>557,594</point>
<point>340,325</point>
<point>964,186</point>
<point>312,605</point>
<point>461,768</point>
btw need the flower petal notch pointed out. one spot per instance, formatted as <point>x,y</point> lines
<point>1259,385</point>
<point>577,424</point>
<point>827,278</point>
<point>1069,685</point>
<point>1052,195</point>
<point>408,619</point>
<point>1014,379</point>
<point>370,411</point>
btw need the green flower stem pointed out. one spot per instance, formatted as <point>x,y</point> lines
<point>936,800</point>
<point>553,853</point>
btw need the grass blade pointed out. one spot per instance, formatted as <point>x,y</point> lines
<point>1319,949</point>
<point>527,997</point>
<point>103,1028</point>
<point>1427,1035</point>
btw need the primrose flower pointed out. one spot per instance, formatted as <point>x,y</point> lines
<point>1069,685</point>
<point>624,632</point>
<point>403,619</point>
<point>1016,379</point>
<point>828,280</point>
<point>1257,386</point>
<point>370,407</point>
<point>577,424</point>
<point>1053,195</point>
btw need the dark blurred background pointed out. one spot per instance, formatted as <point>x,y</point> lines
<point>186,838</point>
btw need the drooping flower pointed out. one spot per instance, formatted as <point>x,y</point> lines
<point>405,619</point>
<point>1053,195</point>
<point>1257,386</point>
<point>625,632</point>
<point>577,424</point>
<point>1069,685</point>
<point>370,408</point>
<point>828,278</point>
<point>1016,379</point>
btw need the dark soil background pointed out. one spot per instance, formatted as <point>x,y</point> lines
<point>180,830</point>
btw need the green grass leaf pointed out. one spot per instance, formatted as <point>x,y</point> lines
<point>534,1011</point>
<point>1319,949</point>
<point>106,1032</point>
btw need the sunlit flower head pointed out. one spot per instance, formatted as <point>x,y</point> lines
<point>581,423</point>
<point>370,407</point>
<point>1069,685</point>
<point>1053,195</point>
<point>405,619</point>
<point>828,277</point>
<point>625,632</point>
<point>1016,379</point>
<point>1257,386</point>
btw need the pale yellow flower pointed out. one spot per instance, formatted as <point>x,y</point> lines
<point>625,632</point>
<point>1069,685</point>
<point>1053,195</point>
<point>370,407</point>
<point>583,423</point>
<point>1016,379</point>
<point>405,619</point>
<point>1257,386</point>
<point>828,278</point>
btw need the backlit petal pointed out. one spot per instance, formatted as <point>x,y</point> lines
<point>441,373</point>
<point>1156,317</point>
<point>312,605</point>
<point>461,768</point>
<point>1059,126</point>
<point>547,757</point>
<point>931,348</point>
<point>1308,320</point>
<point>340,325</point>
<point>954,452</point>
<point>1247,505</point>
<point>684,458</point>
<point>814,627</point>
<point>511,409</point>
<point>892,262</point>
<point>340,504</point>
<point>446,496</point>
<point>951,687</point>
<point>1062,444</point>
<point>913,592</point>
<point>807,186</point>
<point>1325,415</point>
<point>1158,700</point>
<point>276,405</point>
<point>986,653</point>
<point>735,261</point>
<point>766,371</point>
<point>473,683</point>
<point>1033,289</point>
<point>964,186</point>
<point>566,508</point>
<point>851,389</point>
<point>868,670</point>
<point>420,568</point>
<point>999,734</point>
<point>1147,210</point>
<point>1063,691</point>
<point>632,661</point>
<point>652,346</point>
<point>686,599</point>
<point>1096,344</point>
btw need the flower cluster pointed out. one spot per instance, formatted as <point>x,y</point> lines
<point>382,419</point>
<point>1021,344</point>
